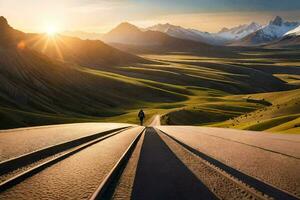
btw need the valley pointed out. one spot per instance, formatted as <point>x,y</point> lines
<point>186,82</point>
<point>149,100</point>
<point>221,98</point>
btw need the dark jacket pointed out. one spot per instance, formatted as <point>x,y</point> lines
<point>141,114</point>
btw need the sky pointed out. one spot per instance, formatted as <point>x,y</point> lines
<point>102,15</point>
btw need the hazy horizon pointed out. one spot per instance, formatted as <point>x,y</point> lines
<point>100,16</point>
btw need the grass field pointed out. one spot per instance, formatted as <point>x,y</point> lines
<point>217,107</point>
<point>183,88</point>
<point>282,116</point>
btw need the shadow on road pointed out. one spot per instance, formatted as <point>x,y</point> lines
<point>161,175</point>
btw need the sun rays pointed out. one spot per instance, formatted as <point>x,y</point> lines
<point>51,30</point>
<point>49,43</point>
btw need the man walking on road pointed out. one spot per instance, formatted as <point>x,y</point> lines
<point>142,116</point>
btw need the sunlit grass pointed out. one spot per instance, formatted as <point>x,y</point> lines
<point>199,98</point>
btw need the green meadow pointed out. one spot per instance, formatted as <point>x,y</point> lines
<point>251,89</point>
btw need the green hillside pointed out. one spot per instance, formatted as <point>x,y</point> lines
<point>270,111</point>
<point>282,116</point>
<point>50,80</point>
<point>33,83</point>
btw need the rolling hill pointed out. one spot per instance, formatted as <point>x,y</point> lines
<point>60,79</point>
<point>93,53</point>
<point>282,116</point>
<point>288,41</point>
<point>217,108</point>
<point>37,89</point>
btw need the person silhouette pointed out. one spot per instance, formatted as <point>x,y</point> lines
<point>141,116</point>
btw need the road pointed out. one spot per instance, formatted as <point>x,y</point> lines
<point>161,171</point>
<point>16,142</point>
<point>162,162</point>
<point>155,121</point>
<point>75,177</point>
<point>274,159</point>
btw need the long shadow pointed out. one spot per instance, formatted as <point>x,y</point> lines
<point>161,175</point>
<point>270,190</point>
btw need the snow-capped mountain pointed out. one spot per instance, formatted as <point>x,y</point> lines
<point>275,30</point>
<point>239,32</point>
<point>290,39</point>
<point>295,31</point>
<point>224,36</point>
<point>278,27</point>
<point>185,33</point>
<point>126,34</point>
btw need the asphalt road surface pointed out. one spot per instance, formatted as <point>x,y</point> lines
<point>159,162</point>
<point>16,142</point>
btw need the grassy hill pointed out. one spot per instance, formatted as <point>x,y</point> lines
<point>259,112</point>
<point>37,89</point>
<point>48,80</point>
<point>282,116</point>
<point>91,53</point>
<point>33,83</point>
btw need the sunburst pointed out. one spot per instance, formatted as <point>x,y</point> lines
<point>51,30</point>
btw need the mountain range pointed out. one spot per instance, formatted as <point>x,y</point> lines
<point>224,36</point>
<point>275,30</point>
<point>127,36</point>
<point>187,34</point>
<point>290,39</point>
<point>238,32</point>
<point>252,34</point>
<point>48,79</point>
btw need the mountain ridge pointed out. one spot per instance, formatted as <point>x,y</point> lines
<point>128,34</point>
<point>251,34</point>
<point>275,30</point>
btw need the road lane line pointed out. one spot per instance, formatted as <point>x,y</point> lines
<point>34,170</point>
<point>103,189</point>
<point>262,148</point>
<point>26,159</point>
<point>160,174</point>
<point>259,185</point>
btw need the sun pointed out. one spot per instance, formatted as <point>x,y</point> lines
<point>51,30</point>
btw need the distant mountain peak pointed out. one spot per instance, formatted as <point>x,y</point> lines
<point>163,27</point>
<point>238,32</point>
<point>277,21</point>
<point>183,33</point>
<point>276,29</point>
<point>294,32</point>
<point>125,26</point>
<point>254,24</point>
<point>9,37</point>
<point>224,29</point>
<point>3,22</point>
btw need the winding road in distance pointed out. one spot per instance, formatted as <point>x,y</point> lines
<point>125,161</point>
